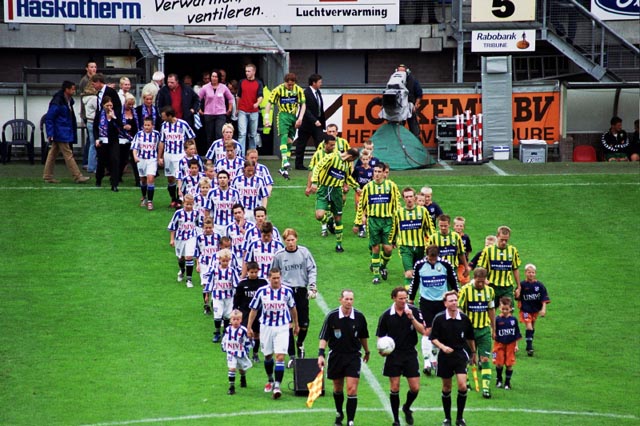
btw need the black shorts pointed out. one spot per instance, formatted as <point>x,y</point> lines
<point>341,365</point>
<point>453,363</point>
<point>401,364</point>
<point>429,309</point>
<point>256,323</point>
<point>302,305</point>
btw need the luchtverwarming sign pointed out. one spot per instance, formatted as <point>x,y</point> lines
<point>203,12</point>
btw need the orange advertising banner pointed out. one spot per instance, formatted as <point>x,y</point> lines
<point>535,115</point>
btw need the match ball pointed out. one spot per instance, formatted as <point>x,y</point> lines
<point>386,345</point>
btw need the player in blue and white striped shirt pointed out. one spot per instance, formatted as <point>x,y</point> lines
<point>237,232</point>
<point>201,201</point>
<point>231,162</point>
<point>184,227</point>
<point>261,170</point>
<point>216,150</point>
<point>147,153</point>
<point>221,285</point>
<point>262,251</point>
<point>254,234</point>
<point>206,247</point>
<point>190,184</point>
<point>278,311</point>
<point>221,201</point>
<point>252,189</point>
<point>190,153</point>
<point>237,344</point>
<point>175,132</point>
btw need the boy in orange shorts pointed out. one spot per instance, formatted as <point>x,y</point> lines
<point>532,303</point>
<point>505,345</point>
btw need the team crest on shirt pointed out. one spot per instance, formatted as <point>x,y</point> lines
<point>337,332</point>
<point>536,288</point>
<point>439,268</point>
<point>512,322</point>
<point>462,334</point>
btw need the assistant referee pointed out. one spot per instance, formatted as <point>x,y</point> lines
<point>345,331</point>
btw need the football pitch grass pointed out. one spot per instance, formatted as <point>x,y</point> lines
<point>96,330</point>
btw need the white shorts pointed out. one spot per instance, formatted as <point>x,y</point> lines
<point>185,248</point>
<point>220,230</point>
<point>222,308</point>
<point>240,363</point>
<point>205,270</point>
<point>274,340</point>
<point>172,164</point>
<point>148,167</point>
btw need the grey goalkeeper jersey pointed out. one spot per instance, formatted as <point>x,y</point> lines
<point>297,268</point>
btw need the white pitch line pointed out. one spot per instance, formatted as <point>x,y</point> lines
<point>366,371</point>
<point>497,169</point>
<point>445,166</point>
<point>363,409</point>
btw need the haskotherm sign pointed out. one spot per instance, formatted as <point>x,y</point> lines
<point>203,12</point>
<point>503,41</point>
<point>608,10</point>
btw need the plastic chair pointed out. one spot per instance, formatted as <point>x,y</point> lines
<point>584,154</point>
<point>44,142</point>
<point>22,133</point>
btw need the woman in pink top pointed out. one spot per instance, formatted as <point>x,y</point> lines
<point>216,103</point>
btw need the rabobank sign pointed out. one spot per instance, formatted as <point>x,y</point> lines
<point>616,9</point>
<point>203,12</point>
<point>74,11</point>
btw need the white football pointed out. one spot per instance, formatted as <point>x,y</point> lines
<point>386,345</point>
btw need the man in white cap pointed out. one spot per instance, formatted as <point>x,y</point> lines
<point>157,81</point>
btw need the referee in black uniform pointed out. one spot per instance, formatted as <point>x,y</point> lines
<point>402,322</point>
<point>450,332</point>
<point>345,330</point>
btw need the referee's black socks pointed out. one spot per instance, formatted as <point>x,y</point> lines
<point>352,404</point>
<point>411,396</point>
<point>338,400</point>
<point>394,398</point>
<point>446,404</point>
<point>462,401</point>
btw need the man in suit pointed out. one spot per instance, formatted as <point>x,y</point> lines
<point>99,83</point>
<point>313,122</point>
<point>181,97</point>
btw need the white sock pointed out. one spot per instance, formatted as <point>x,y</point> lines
<point>427,346</point>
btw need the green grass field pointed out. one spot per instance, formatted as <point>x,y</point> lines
<point>96,331</point>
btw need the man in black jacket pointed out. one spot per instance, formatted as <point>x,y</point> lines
<point>181,97</point>
<point>313,122</point>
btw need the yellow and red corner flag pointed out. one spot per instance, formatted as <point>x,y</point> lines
<point>315,388</point>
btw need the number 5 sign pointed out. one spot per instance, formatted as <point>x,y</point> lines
<point>503,10</point>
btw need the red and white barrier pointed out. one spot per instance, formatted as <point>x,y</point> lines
<point>473,126</point>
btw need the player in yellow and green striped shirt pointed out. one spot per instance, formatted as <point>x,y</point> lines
<point>476,300</point>
<point>291,106</point>
<point>329,179</point>
<point>411,227</point>
<point>379,201</point>
<point>502,261</point>
<point>450,244</point>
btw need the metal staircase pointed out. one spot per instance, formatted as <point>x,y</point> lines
<point>570,28</point>
<point>588,42</point>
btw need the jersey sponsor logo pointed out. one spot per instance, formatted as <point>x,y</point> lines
<point>410,225</point>
<point>507,332</point>
<point>446,251</point>
<point>289,100</point>
<point>274,306</point>
<point>337,173</point>
<point>430,281</point>
<point>379,198</point>
<point>478,307</point>
<point>531,297</point>
<point>500,265</point>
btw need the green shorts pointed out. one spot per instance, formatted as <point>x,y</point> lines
<point>379,229</point>
<point>483,341</point>
<point>329,198</point>
<point>503,291</point>
<point>410,255</point>
<point>286,127</point>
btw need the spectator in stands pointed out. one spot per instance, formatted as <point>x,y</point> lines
<point>615,142</point>
<point>91,67</point>
<point>250,92</point>
<point>212,106</point>
<point>90,104</point>
<point>125,87</point>
<point>182,98</point>
<point>157,81</point>
<point>62,132</point>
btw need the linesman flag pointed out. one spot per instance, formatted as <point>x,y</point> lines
<point>315,388</point>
